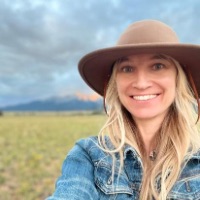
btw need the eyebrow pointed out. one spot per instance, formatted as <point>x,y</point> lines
<point>156,56</point>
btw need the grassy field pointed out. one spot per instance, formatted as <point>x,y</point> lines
<point>33,147</point>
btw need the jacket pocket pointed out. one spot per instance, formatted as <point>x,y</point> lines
<point>186,189</point>
<point>111,184</point>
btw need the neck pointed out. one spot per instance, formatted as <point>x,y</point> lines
<point>148,130</point>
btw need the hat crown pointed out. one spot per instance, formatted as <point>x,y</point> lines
<point>148,32</point>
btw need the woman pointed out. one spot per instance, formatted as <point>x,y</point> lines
<point>149,146</point>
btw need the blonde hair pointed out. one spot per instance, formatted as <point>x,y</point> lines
<point>178,137</point>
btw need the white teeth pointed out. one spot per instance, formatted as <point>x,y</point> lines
<point>144,97</point>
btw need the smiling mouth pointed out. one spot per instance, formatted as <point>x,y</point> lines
<point>145,97</point>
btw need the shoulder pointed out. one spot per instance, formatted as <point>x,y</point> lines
<point>93,142</point>
<point>89,147</point>
<point>88,143</point>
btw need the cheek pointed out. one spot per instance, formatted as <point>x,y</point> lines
<point>122,83</point>
<point>119,85</point>
<point>171,87</point>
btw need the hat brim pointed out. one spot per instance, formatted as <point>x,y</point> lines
<point>96,66</point>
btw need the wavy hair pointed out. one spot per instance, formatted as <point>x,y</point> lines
<point>178,136</point>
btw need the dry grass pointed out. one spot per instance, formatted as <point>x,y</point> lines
<point>33,147</point>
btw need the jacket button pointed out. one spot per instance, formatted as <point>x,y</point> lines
<point>95,163</point>
<point>109,182</point>
<point>188,188</point>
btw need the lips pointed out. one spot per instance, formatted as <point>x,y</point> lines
<point>144,97</point>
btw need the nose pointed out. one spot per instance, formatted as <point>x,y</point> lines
<point>141,80</point>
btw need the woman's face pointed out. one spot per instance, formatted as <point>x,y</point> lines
<point>146,85</point>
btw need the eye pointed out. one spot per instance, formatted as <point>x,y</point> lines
<point>158,66</point>
<point>126,69</point>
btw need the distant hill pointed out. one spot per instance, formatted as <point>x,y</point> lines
<point>67,103</point>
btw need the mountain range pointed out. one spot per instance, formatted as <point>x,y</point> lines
<point>66,103</point>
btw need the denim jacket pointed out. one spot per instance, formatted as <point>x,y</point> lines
<point>87,175</point>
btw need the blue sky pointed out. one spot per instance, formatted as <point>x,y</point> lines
<point>41,41</point>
